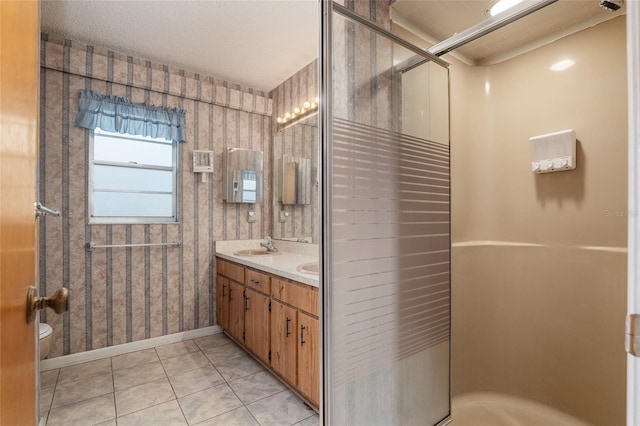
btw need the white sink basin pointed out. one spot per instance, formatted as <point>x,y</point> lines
<point>256,252</point>
<point>310,268</point>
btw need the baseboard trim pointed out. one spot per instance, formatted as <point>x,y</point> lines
<point>67,360</point>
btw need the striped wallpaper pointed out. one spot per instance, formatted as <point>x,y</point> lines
<point>120,295</point>
<point>301,87</point>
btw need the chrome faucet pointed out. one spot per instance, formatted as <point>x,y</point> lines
<point>268,244</point>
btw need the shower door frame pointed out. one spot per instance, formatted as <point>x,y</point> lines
<point>633,278</point>
<point>325,127</point>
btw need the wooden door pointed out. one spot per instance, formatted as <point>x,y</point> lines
<point>256,324</point>
<point>19,25</point>
<point>308,357</point>
<point>236,310</point>
<point>284,324</point>
<point>222,302</point>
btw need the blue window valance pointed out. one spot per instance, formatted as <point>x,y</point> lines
<point>116,114</point>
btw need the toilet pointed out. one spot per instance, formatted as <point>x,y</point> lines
<point>44,331</point>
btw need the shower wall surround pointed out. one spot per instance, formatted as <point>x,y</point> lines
<point>539,262</point>
<point>121,295</point>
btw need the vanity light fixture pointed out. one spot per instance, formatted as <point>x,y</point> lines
<point>496,7</point>
<point>306,108</point>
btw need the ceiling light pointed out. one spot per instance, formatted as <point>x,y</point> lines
<point>496,7</point>
<point>562,65</point>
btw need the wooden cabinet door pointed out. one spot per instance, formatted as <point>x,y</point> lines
<point>256,324</point>
<point>236,310</point>
<point>283,341</point>
<point>222,302</point>
<point>308,357</point>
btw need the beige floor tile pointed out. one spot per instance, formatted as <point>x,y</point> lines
<point>238,417</point>
<point>176,349</point>
<point>208,403</point>
<point>49,378</point>
<point>310,421</point>
<point>88,412</point>
<point>212,341</point>
<point>111,422</point>
<point>257,386</point>
<point>195,380</point>
<point>72,392</point>
<point>84,371</point>
<point>132,359</point>
<point>165,414</point>
<point>223,352</point>
<point>186,362</point>
<point>237,368</point>
<point>46,396</point>
<point>283,408</point>
<point>143,396</point>
<point>138,375</point>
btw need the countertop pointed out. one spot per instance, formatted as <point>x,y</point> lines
<point>284,264</point>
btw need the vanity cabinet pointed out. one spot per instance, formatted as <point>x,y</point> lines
<point>236,311</point>
<point>230,303</point>
<point>222,301</point>
<point>294,341</point>
<point>308,357</point>
<point>284,324</point>
<point>256,323</point>
<point>276,319</point>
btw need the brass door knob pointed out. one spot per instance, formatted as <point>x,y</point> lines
<point>59,302</point>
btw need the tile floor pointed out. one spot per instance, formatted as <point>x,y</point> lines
<point>206,381</point>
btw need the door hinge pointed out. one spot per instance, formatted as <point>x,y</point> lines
<point>269,355</point>
<point>632,334</point>
<point>269,305</point>
<point>244,335</point>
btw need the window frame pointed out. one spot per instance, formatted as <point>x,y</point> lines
<point>122,220</point>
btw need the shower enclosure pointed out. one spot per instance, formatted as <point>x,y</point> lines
<point>386,226</point>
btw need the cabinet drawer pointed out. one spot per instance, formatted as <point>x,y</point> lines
<point>257,280</point>
<point>230,270</point>
<point>301,296</point>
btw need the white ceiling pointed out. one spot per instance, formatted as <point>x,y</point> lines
<point>254,43</point>
<point>442,19</point>
<point>260,43</point>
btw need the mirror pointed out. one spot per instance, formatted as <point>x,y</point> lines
<point>293,183</point>
<point>242,176</point>
<point>295,180</point>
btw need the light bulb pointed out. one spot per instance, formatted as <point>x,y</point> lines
<point>501,6</point>
<point>287,115</point>
<point>296,110</point>
<point>306,104</point>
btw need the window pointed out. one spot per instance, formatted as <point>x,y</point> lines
<point>132,179</point>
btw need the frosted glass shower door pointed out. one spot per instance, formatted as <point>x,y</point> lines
<point>386,256</point>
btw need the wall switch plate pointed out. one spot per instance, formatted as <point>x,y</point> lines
<point>251,217</point>
<point>283,216</point>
